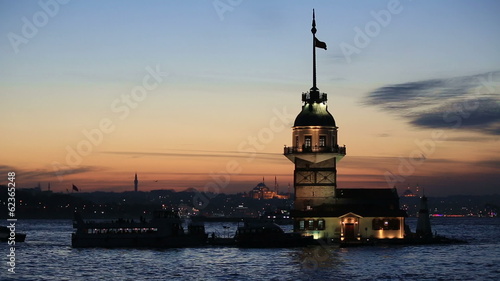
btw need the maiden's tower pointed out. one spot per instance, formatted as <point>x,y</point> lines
<point>321,209</point>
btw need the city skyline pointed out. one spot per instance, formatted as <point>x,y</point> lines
<point>204,96</point>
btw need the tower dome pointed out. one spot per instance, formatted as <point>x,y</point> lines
<point>314,114</point>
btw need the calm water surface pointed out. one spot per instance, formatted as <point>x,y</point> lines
<point>47,255</point>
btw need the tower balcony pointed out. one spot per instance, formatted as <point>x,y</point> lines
<point>315,149</point>
<point>315,153</point>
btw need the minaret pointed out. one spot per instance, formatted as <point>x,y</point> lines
<point>136,183</point>
<point>315,153</point>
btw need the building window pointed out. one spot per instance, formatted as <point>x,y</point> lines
<point>296,141</point>
<point>385,224</point>
<point>310,225</point>
<point>307,141</point>
<point>322,141</point>
<point>321,224</point>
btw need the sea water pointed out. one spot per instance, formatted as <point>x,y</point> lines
<point>47,255</point>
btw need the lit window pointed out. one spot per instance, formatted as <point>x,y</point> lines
<point>321,224</point>
<point>386,224</point>
<point>308,141</point>
<point>302,225</point>
<point>310,224</point>
<point>322,141</point>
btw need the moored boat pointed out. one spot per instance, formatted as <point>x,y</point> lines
<point>268,235</point>
<point>163,231</point>
<point>6,234</point>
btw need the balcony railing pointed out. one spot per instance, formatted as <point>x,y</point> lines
<point>314,149</point>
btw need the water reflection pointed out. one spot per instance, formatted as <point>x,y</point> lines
<point>317,257</point>
<point>47,255</point>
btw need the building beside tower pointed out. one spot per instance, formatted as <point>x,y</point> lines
<point>321,209</point>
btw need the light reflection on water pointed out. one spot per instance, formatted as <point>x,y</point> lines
<point>47,255</point>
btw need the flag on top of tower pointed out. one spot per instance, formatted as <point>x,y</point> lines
<point>319,44</point>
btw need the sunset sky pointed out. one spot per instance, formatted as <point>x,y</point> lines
<point>203,94</point>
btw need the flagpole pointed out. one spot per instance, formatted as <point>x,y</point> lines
<point>313,30</point>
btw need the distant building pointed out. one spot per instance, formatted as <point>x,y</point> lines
<point>261,191</point>
<point>409,193</point>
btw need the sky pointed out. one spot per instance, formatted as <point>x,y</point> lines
<point>203,94</point>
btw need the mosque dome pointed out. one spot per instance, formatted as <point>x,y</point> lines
<point>261,187</point>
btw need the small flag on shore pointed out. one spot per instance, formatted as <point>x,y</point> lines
<point>75,188</point>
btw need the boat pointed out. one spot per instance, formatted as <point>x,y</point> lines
<point>5,234</point>
<point>265,234</point>
<point>164,230</point>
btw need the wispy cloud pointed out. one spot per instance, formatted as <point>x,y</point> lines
<point>27,177</point>
<point>471,102</point>
<point>202,154</point>
<point>490,163</point>
<point>461,177</point>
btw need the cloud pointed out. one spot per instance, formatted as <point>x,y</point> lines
<point>460,177</point>
<point>484,114</point>
<point>490,163</point>
<point>468,102</point>
<point>203,153</point>
<point>29,178</point>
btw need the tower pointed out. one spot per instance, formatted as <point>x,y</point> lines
<point>424,224</point>
<point>315,153</point>
<point>136,183</point>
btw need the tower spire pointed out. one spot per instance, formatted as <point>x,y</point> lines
<point>313,30</point>
<point>319,44</point>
